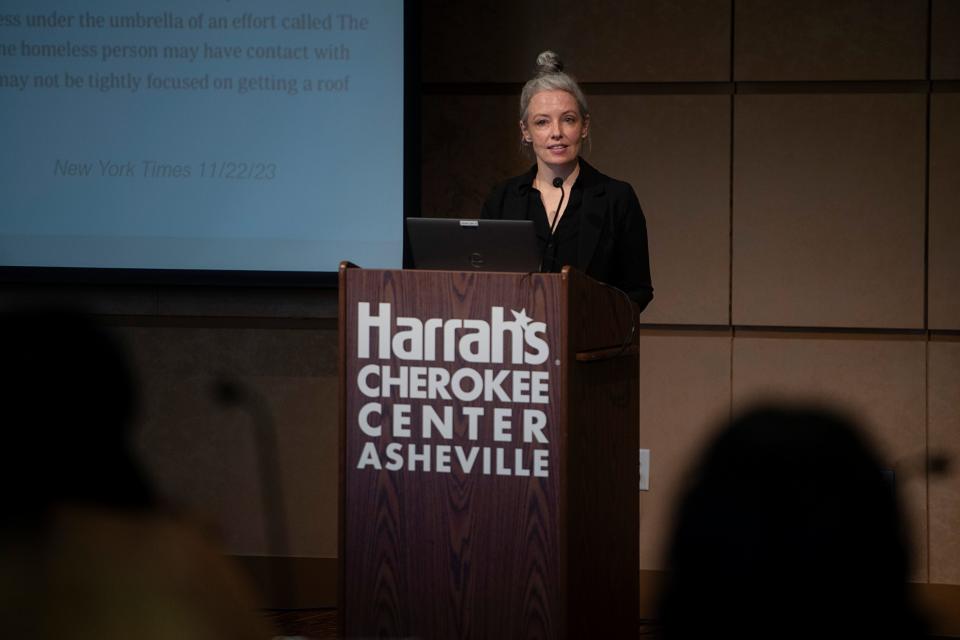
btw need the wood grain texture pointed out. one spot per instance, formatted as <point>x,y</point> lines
<point>602,517</point>
<point>599,316</point>
<point>476,555</point>
<point>450,555</point>
<point>341,438</point>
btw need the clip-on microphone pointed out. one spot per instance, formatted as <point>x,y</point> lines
<point>558,183</point>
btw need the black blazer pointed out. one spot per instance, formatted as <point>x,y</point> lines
<point>612,245</point>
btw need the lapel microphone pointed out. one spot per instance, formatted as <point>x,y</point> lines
<point>558,183</point>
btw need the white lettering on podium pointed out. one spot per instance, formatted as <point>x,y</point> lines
<point>425,402</point>
<point>476,341</point>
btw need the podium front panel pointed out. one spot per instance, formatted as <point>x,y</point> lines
<point>451,518</point>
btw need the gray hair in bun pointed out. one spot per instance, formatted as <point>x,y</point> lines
<point>550,77</point>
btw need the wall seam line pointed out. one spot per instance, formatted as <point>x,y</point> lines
<point>730,198</point>
<point>926,286</point>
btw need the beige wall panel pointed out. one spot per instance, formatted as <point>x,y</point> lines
<point>470,143</point>
<point>945,44</point>
<point>944,407</point>
<point>830,40</point>
<point>944,258</point>
<point>247,302</point>
<point>601,41</point>
<point>105,300</point>
<point>675,151</point>
<point>684,396</point>
<point>203,455</point>
<point>881,382</point>
<point>828,221</point>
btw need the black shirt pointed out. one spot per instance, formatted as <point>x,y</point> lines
<point>605,230</point>
<point>561,248</point>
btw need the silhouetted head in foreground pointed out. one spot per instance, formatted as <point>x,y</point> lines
<point>788,528</point>
<point>84,554</point>
<point>68,399</point>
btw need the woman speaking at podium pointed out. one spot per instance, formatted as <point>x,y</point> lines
<point>582,217</point>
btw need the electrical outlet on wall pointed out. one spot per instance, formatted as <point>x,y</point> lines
<point>644,469</point>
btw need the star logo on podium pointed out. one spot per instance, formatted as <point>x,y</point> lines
<point>521,318</point>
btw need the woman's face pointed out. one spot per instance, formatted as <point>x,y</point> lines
<point>554,127</point>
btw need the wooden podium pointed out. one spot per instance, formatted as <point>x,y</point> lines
<point>488,463</point>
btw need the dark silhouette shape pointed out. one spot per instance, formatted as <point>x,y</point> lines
<point>68,402</point>
<point>86,549</point>
<point>788,528</point>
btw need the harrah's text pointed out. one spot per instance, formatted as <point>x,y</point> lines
<point>411,433</point>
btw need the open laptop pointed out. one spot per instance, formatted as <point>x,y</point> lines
<point>473,245</point>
